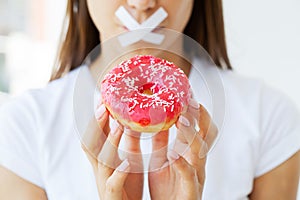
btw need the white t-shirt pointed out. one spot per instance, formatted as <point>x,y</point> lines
<point>39,136</point>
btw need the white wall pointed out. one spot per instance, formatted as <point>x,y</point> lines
<point>264,41</point>
<point>33,52</point>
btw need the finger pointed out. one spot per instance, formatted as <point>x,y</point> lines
<point>108,159</point>
<point>159,150</point>
<point>190,119</point>
<point>94,137</point>
<point>197,146</point>
<point>132,141</point>
<point>132,150</point>
<point>109,152</point>
<point>197,150</point>
<point>203,121</point>
<point>197,162</point>
<point>181,145</point>
<point>115,183</point>
<point>209,129</point>
<point>193,113</point>
<point>189,174</point>
<point>199,139</point>
<point>133,153</point>
<point>194,108</point>
<point>206,127</point>
<point>185,122</point>
<point>186,132</point>
<point>186,171</point>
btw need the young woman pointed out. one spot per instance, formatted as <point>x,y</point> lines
<point>256,157</point>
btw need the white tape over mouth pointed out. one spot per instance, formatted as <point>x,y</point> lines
<point>141,31</point>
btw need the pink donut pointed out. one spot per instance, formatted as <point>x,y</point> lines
<point>145,93</point>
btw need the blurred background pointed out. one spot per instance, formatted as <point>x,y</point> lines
<point>29,36</point>
<point>263,39</point>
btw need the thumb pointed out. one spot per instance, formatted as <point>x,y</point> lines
<point>115,183</point>
<point>186,171</point>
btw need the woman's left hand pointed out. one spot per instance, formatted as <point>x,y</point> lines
<point>177,179</point>
<point>174,176</point>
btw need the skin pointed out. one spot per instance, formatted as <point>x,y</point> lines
<point>279,183</point>
<point>103,14</point>
<point>100,141</point>
<point>182,176</point>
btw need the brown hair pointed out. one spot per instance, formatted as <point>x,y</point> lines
<point>206,26</point>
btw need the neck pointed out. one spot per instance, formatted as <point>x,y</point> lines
<point>107,59</point>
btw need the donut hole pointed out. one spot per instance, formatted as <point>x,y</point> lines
<point>148,89</point>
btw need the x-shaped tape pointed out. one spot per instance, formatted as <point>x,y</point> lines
<point>142,31</point>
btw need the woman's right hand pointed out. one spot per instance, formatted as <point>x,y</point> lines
<point>100,143</point>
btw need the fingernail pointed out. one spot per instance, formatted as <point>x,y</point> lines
<point>165,165</point>
<point>183,120</point>
<point>124,165</point>
<point>115,127</point>
<point>173,155</point>
<point>194,103</point>
<point>100,111</point>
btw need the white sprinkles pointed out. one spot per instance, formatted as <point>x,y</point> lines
<point>125,80</point>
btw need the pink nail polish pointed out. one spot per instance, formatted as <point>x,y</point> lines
<point>165,165</point>
<point>183,120</point>
<point>193,103</point>
<point>114,127</point>
<point>173,155</point>
<point>123,166</point>
<point>100,111</point>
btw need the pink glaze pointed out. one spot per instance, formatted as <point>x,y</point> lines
<point>146,90</point>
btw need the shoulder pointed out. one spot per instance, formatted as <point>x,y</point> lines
<point>27,120</point>
<point>60,86</point>
<point>250,87</point>
<point>270,107</point>
<point>275,115</point>
<point>235,82</point>
<point>255,90</point>
<point>52,90</point>
<point>35,103</point>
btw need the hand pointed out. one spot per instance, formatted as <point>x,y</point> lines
<point>177,179</point>
<point>100,143</point>
<point>173,176</point>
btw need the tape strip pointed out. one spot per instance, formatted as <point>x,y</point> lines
<point>141,31</point>
<point>126,18</point>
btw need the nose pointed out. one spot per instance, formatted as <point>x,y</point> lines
<point>142,5</point>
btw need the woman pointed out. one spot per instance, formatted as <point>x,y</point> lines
<point>256,157</point>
